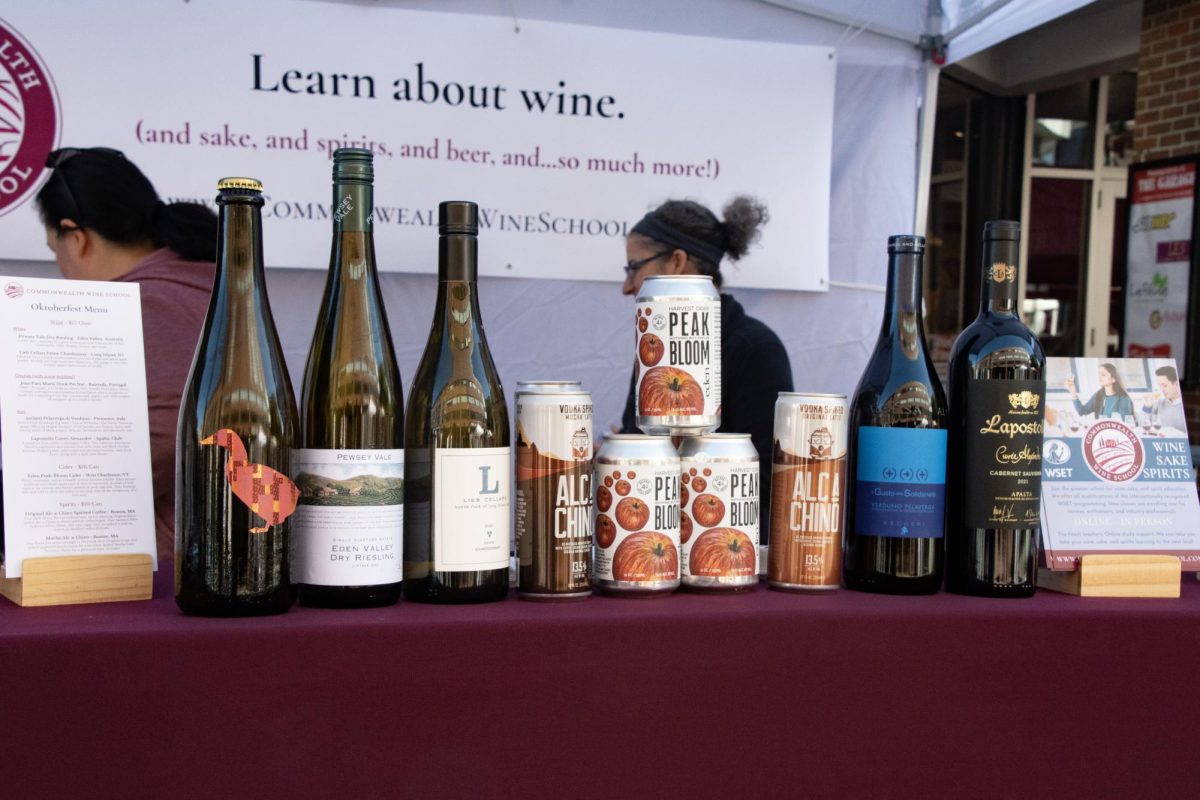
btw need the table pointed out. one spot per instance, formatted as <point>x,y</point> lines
<point>759,695</point>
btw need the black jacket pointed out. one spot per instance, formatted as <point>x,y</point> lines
<point>754,370</point>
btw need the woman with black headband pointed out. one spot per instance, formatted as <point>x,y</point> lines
<point>104,222</point>
<point>682,237</point>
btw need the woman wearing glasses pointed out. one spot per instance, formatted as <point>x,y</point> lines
<point>104,222</point>
<point>682,237</point>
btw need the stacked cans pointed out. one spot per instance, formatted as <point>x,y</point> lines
<point>690,535</point>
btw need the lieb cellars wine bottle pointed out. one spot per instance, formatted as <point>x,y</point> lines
<point>237,427</point>
<point>459,485</point>
<point>997,402</point>
<point>348,526</point>
<point>896,472</point>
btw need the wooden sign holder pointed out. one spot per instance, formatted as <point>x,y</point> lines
<point>1107,575</point>
<point>63,580</point>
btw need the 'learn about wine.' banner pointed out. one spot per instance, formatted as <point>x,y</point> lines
<point>565,135</point>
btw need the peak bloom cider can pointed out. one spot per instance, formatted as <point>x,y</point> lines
<point>637,515</point>
<point>678,374</point>
<point>554,490</point>
<point>808,476</point>
<point>718,524</point>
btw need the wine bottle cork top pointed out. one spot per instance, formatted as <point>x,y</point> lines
<point>906,243</point>
<point>353,164</point>
<point>458,216</point>
<point>239,183</point>
<point>1002,230</point>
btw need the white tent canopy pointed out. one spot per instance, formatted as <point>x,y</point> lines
<point>880,84</point>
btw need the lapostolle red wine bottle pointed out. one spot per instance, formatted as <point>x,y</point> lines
<point>997,403</point>
<point>349,524</point>
<point>234,496</point>
<point>896,469</point>
<point>458,518</point>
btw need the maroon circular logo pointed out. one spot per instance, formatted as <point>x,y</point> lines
<point>29,118</point>
<point>1113,451</point>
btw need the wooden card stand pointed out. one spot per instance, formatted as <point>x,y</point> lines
<point>1103,575</point>
<point>64,580</point>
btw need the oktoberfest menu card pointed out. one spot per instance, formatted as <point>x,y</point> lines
<point>74,423</point>
<point>1116,464</point>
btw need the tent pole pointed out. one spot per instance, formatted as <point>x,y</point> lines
<point>933,55</point>
<point>925,145</point>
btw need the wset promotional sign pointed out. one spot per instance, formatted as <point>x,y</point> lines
<point>1117,471</point>
<point>565,135</point>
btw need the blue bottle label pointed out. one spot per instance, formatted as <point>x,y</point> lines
<point>901,483</point>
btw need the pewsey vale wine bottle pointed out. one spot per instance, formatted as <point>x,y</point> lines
<point>896,471</point>
<point>237,427</point>
<point>349,524</point>
<point>458,516</point>
<point>997,402</point>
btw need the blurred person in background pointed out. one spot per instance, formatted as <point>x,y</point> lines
<point>105,222</point>
<point>682,237</point>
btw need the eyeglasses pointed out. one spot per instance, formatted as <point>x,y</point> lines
<point>55,158</point>
<point>634,266</point>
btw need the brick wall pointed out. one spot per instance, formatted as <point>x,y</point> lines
<point>1167,120</point>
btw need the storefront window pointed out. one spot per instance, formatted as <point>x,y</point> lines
<point>1118,132</point>
<point>1057,263</point>
<point>1063,133</point>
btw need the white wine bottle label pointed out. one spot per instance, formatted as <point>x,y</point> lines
<point>1002,457</point>
<point>718,529</point>
<point>472,508</point>
<point>348,528</point>
<point>679,357</point>
<point>900,490</point>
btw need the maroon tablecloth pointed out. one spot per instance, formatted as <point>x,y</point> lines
<point>761,695</point>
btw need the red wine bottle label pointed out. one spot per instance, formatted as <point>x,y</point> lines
<point>347,529</point>
<point>901,483</point>
<point>1003,454</point>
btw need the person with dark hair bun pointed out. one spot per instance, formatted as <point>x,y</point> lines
<point>682,237</point>
<point>105,222</point>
